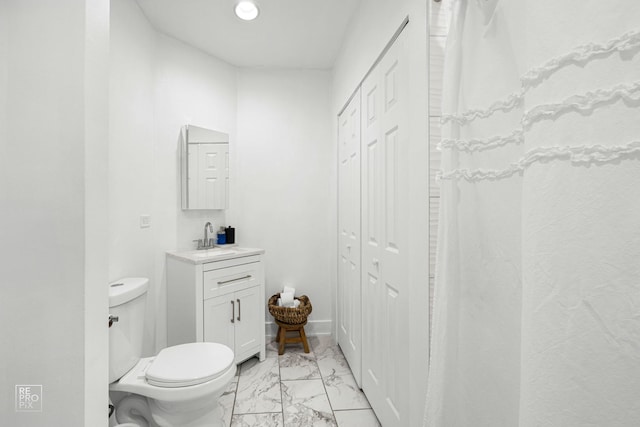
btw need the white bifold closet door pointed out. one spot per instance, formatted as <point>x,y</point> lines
<point>385,155</point>
<point>349,294</point>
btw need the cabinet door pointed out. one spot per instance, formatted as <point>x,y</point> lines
<point>208,176</point>
<point>248,323</point>
<point>220,315</point>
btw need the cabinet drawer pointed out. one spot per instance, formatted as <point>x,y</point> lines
<point>226,280</point>
<point>216,265</point>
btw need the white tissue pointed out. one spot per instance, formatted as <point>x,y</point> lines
<point>288,289</point>
<point>287,299</point>
<point>296,303</point>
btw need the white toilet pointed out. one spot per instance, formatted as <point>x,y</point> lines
<point>180,387</point>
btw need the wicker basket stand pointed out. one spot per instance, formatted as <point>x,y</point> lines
<point>290,319</point>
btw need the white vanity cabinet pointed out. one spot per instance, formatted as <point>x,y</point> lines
<point>217,296</point>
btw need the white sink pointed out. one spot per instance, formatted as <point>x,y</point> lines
<point>215,254</point>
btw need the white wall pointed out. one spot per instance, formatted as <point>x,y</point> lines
<point>191,87</point>
<point>4,74</point>
<point>372,27</point>
<point>96,213</point>
<point>280,171</point>
<point>131,149</point>
<point>157,85</point>
<point>50,99</point>
<point>281,194</point>
<point>4,69</point>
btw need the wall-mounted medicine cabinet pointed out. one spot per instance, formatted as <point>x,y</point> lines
<point>204,160</point>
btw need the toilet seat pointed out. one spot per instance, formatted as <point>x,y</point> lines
<point>189,364</point>
<point>136,380</point>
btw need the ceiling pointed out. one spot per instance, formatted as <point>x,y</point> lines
<point>286,34</point>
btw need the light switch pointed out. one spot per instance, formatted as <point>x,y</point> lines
<point>145,221</point>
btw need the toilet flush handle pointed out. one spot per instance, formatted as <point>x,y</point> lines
<point>112,319</point>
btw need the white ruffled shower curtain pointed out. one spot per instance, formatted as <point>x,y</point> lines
<point>537,296</point>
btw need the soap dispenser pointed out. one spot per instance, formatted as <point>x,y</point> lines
<point>222,236</point>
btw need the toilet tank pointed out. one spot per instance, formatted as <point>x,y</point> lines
<point>127,301</point>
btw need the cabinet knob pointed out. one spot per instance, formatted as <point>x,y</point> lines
<point>238,309</point>
<point>233,312</point>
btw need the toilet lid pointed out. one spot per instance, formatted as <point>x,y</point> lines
<point>189,364</point>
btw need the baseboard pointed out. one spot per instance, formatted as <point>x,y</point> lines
<point>312,328</point>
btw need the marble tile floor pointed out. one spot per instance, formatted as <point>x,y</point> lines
<point>297,389</point>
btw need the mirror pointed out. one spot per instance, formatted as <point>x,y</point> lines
<point>204,167</point>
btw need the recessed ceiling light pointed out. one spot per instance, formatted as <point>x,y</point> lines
<point>247,10</point>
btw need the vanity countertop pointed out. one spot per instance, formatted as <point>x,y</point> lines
<point>215,254</point>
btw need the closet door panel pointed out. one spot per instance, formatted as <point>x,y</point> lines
<point>374,327</point>
<point>372,156</point>
<point>385,197</point>
<point>343,231</point>
<point>349,276</point>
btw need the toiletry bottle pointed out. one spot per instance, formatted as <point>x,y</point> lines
<point>230,232</point>
<point>222,237</point>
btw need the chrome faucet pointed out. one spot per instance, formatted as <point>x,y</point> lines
<point>207,242</point>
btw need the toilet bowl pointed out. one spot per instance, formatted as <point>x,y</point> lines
<point>112,418</point>
<point>179,387</point>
